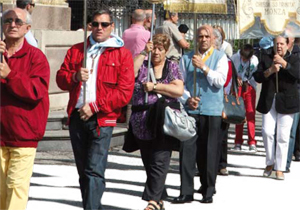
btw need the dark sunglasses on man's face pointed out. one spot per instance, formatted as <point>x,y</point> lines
<point>32,4</point>
<point>17,21</point>
<point>103,24</point>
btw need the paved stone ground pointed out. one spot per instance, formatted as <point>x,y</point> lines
<point>54,185</point>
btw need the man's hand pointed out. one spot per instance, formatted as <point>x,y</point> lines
<point>85,112</point>
<point>4,69</point>
<point>187,45</point>
<point>82,75</point>
<point>2,47</point>
<point>198,62</point>
<point>193,103</point>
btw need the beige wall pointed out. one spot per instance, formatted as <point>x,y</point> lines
<point>55,45</point>
<point>54,16</point>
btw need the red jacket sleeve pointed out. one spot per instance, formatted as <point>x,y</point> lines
<point>31,87</point>
<point>65,76</point>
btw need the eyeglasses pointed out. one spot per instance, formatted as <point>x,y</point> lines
<point>17,21</point>
<point>103,24</point>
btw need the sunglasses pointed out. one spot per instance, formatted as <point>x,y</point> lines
<point>32,4</point>
<point>17,21</point>
<point>103,24</point>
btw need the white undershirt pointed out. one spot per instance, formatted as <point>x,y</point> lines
<point>91,84</point>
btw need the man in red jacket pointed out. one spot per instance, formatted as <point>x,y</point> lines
<point>24,107</point>
<point>109,80</point>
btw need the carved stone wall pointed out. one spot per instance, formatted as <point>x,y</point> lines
<point>47,14</point>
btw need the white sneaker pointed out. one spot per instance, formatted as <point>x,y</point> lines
<point>252,148</point>
<point>237,147</point>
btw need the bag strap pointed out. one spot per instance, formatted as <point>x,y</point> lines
<point>234,79</point>
<point>234,84</point>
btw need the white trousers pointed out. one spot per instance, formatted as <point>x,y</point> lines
<point>279,126</point>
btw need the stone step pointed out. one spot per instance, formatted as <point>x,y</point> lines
<point>57,120</point>
<point>59,140</point>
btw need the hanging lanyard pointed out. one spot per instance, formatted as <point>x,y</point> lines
<point>93,56</point>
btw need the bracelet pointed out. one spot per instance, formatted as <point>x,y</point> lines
<point>270,71</point>
<point>154,86</point>
<point>144,53</point>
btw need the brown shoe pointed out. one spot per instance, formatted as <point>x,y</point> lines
<point>268,171</point>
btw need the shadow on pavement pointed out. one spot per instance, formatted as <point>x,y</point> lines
<point>40,175</point>
<point>68,202</point>
<point>74,203</point>
<point>44,185</point>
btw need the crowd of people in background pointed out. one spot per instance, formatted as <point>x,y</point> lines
<point>116,72</point>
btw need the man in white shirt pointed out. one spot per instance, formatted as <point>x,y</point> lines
<point>206,107</point>
<point>28,5</point>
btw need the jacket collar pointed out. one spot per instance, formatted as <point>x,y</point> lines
<point>89,44</point>
<point>23,51</point>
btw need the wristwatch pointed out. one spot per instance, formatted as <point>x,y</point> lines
<point>204,68</point>
<point>154,86</point>
<point>144,53</point>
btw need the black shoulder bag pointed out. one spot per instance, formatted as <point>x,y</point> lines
<point>234,109</point>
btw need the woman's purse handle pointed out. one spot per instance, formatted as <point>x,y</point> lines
<point>234,86</point>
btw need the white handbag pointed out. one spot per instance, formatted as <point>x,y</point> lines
<point>177,123</point>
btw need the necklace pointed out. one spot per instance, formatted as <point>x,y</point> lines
<point>93,56</point>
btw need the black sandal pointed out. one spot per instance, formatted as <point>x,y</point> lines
<point>152,206</point>
<point>161,205</point>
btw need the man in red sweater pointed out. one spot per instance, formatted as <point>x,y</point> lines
<point>24,107</point>
<point>109,80</point>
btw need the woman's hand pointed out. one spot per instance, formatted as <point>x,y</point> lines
<point>148,86</point>
<point>149,46</point>
<point>275,68</point>
<point>279,60</point>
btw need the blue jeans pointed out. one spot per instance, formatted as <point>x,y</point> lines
<point>90,150</point>
<point>292,140</point>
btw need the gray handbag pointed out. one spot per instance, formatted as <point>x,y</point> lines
<point>177,123</point>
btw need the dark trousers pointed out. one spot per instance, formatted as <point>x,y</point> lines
<point>187,166</point>
<point>90,150</point>
<point>206,146</point>
<point>156,161</point>
<point>224,137</point>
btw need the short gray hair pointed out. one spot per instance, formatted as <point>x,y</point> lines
<point>218,38</point>
<point>139,16</point>
<point>28,16</point>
